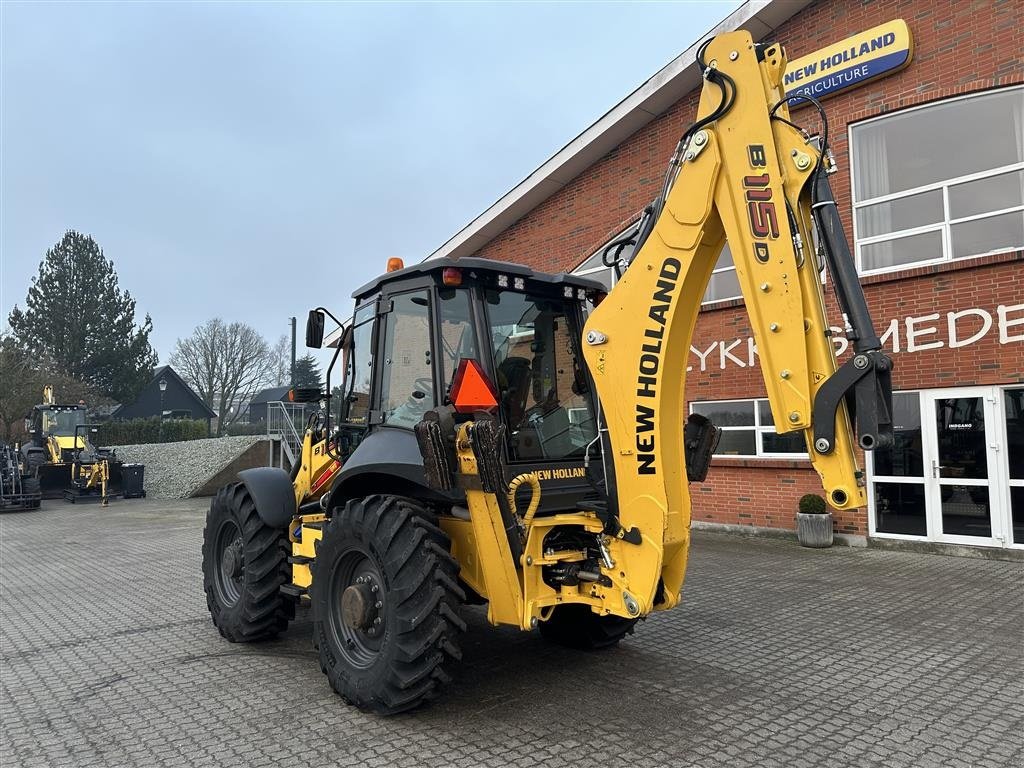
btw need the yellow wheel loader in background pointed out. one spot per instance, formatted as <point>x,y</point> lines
<point>520,440</point>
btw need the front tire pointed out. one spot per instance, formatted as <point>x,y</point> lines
<point>385,600</point>
<point>245,563</point>
<point>30,487</point>
<point>576,626</point>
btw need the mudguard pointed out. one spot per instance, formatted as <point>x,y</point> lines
<point>272,492</point>
<point>387,461</point>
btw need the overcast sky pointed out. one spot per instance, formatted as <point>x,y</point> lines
<point>250,160</point>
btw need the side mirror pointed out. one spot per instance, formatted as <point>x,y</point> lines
<point>315,329</point>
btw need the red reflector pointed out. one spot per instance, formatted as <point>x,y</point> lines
<point>472,390</point>
<point>451,276</point>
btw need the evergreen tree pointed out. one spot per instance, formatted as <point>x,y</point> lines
<point>307,373</point>
<point>77,317</point>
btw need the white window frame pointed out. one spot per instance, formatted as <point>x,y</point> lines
<point>1011,482</point>
<point>943,226</point>
<point>613,279</point>
<point>999,481</point>
<point>718,271</point>
<point>869,468</point>
<point>758,428</point>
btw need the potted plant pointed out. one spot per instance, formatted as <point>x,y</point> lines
<point>814,522</point>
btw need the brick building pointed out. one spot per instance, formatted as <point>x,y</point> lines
<point>929,137</point>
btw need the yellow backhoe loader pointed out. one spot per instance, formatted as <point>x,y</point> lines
<point>521,439</point>
<point>61,456</point>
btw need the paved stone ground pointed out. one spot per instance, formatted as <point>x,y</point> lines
<point>779,656</point>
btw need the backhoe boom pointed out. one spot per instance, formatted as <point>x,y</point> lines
<point>747,175</point>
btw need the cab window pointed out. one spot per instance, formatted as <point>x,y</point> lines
<point>457,338</point>
<point>407,386</point>
<point>359,366</point>
<point>545,401</point>
<point>63,422</point>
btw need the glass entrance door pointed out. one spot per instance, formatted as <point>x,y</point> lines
<point>900,491</point>
<point>955,472</point>
<point>1013,408</point>
<point>961,461</point>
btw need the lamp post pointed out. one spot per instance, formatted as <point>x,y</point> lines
<point>163,388</point>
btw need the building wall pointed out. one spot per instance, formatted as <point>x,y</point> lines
<point>959,47</point>
<point>176,398</point>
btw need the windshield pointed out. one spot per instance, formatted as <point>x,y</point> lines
<point>544,397</point>
<point>62,422</point>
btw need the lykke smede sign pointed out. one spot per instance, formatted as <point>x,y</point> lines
<point>877,52</point>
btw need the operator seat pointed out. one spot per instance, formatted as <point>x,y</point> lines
<point>514,381</point>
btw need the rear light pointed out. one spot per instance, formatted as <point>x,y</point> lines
<point>471,389</point>
<point>451,276</point>
<point>395,264</point>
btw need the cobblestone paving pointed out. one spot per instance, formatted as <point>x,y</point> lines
<point>779,656</point>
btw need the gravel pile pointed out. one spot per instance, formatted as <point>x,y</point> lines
<point>177,470</point>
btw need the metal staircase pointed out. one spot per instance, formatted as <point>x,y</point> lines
<point>285,424</point>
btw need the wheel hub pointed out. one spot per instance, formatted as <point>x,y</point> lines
<point>359,604</point>
<point>232,563</point>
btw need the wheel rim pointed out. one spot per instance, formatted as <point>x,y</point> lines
<point>230,574</point>
<point>358,606</point>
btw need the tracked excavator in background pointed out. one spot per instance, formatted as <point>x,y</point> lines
<point>520,440</point>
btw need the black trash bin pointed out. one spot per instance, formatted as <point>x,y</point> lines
<point>132,480</point>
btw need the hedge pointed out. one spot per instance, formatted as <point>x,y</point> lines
<point>140,431</point>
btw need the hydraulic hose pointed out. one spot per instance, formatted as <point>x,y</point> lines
<point>531,479</point>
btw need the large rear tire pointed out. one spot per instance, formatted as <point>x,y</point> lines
<point>245,562</point>
<point>576,626</point>
<point>385,600</point>
<point>30,487</point>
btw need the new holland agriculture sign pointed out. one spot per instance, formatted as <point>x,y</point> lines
<point>879,51</point>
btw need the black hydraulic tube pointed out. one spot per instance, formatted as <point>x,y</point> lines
<point>841,266</point>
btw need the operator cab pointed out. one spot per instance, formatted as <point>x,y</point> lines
<point>58,420</point>
<point>478,335</point>
<point>63,423</point>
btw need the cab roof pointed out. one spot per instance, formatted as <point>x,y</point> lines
<point>490,266</point>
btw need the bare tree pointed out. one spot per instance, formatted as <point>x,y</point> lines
<point>281,355</point>
<point>226,364</point>
<point>22,378</point>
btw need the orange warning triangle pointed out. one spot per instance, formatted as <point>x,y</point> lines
<point>472,390</point>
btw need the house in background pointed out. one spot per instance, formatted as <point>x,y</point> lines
<point>258,404</point>
<point>166,395</point>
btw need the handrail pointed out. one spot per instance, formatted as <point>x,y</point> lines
<point>281,422</point>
